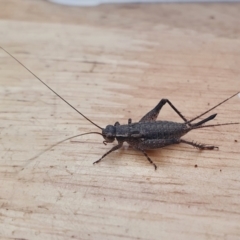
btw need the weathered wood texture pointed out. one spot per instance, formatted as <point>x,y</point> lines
<point>113,62</point>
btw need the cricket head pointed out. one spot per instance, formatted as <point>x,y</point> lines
<point>109,133</point>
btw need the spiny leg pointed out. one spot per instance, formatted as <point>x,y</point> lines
<point>175,109</point>
<point>148,158</point>
<point>113,149</point>
<point>199,145</point>
<point>152,144</point>
<point>153,114</point>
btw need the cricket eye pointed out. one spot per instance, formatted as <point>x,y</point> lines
<point>109,133</point>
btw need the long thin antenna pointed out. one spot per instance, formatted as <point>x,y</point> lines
<point>213,108</point>
<point>54,145</point>
<point>50,88</point>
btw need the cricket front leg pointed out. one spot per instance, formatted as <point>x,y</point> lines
<point>153,114</point>
<point>200,146</point>
<point>113,149</point>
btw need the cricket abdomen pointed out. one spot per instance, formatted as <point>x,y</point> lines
<point>151,130</point>
<point>164,130</point>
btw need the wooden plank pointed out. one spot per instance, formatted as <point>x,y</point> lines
<point>114,62</point>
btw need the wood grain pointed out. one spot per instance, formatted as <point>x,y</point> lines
<point>113,62</point>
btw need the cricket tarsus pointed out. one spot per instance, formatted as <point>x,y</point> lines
<point>50,88</point>
<point>147,133</point>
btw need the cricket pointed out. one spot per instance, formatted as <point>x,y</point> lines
<point>149,133</point>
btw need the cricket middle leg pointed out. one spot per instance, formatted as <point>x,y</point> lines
<point>153,144</point>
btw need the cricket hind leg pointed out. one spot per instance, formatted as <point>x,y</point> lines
<point>153,114</point>
<point>111,150</point>
<point>200,146</point>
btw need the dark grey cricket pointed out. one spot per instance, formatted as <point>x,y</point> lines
<point>148,133</point>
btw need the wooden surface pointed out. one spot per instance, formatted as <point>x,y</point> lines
<point>113,62</point>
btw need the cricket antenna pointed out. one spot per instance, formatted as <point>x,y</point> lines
<point>213,108</point>
<point>50,88</point>
<point>64,140</point>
